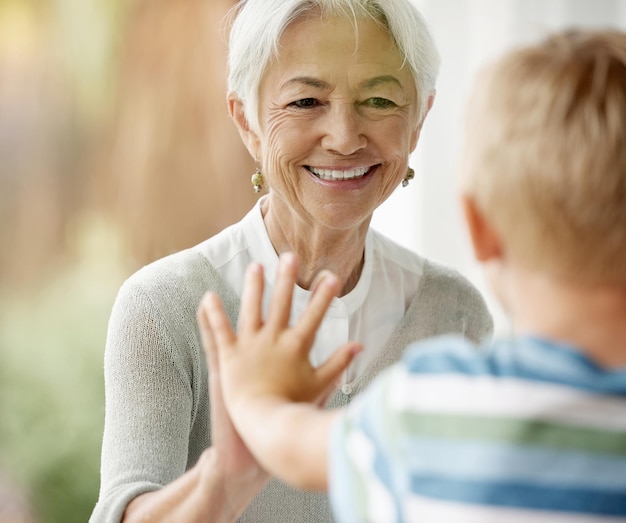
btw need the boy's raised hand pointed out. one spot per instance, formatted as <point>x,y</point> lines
<point>270,390</point>
<point>268,357</point>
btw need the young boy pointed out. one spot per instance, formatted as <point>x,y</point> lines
<point>531,428</point>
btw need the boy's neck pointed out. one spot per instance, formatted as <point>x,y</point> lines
<point>589,317</point>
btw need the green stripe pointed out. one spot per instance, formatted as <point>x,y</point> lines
<point>513,430</point>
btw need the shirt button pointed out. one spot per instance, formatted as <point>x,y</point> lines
<point>346,389</point>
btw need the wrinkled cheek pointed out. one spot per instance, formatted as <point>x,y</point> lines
<point>397,169</point>
<point>391,182</point>
<point>279,168</point>
<point>273,140</point>
<point>272,163</point>
<point>284,149</point>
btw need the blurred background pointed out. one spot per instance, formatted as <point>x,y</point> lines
<point>116,149</point>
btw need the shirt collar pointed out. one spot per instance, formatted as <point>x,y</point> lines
<point>262,250</point>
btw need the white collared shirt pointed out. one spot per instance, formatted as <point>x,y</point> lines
<point>368,314</point>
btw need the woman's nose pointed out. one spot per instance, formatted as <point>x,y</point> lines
<point>343,130</point>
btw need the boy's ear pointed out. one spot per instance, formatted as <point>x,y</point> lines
<point>485,240</point>
<point>236,109</point>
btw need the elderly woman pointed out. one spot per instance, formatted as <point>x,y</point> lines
<point>329,97</point>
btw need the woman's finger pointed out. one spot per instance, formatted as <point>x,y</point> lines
<point>251,310</point>
<point>208,342</point>
<point>323,399</point>
<point>219,330</point>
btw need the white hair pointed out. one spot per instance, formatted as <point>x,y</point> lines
<point>260,24</point>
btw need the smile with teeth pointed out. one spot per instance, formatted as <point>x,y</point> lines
<point>332,174</point>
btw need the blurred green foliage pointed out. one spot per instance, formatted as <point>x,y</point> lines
<point>51,386</point>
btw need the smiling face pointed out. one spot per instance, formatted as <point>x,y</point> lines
<point>338,118</point>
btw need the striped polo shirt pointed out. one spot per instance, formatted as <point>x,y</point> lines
<point>522,430</point>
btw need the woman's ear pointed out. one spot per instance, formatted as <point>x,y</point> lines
<point>485,240</point>
<point>236,109</point>
<point>431,101</point>
<point>416,134</point>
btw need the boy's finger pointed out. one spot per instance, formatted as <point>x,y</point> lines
<point>325,290</point>
<point>250,313</point>
<point>280,305</point>
<point>331,369</point>
<point>319,278</point>
<point>218,409</point>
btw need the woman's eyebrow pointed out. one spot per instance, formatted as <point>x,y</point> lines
<point>378,80</point>
<point>307,80</point>
<point>369,83</point>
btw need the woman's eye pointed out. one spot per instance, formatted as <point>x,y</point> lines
<point>305,103</point>
<point>379,103</point>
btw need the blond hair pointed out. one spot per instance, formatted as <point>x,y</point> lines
<point>545,155</point>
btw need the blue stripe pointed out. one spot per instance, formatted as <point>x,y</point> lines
<point>374,426</point>
<point>525,358</point>
<point>575,500</point>
<point>492,461</point>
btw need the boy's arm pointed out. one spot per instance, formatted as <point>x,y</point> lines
<point>289,440</point>
<point>271,391</point>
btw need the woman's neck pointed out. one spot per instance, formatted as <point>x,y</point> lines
<point>318,247</point>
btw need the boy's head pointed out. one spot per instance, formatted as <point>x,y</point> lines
<point>545,156</point>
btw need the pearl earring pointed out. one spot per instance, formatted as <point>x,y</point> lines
<point>410,174</point>
<point>257,180</point>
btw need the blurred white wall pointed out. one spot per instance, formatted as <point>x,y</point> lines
<point>425,216</point>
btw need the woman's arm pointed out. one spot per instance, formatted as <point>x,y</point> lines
<point>270,388</point>
<point>148,422</point>
<point>199,495</point>
<point>221,484</point>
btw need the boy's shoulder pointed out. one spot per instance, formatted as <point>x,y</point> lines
<point>454,354</point>
<point>447,354</point>
<point>526,359</point>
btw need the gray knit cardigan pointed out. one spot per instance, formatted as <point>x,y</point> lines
<point>158,420</point>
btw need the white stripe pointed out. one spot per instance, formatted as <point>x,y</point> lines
<point>505,397</point>
<point>379,503</point>
<point>426,510</point>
